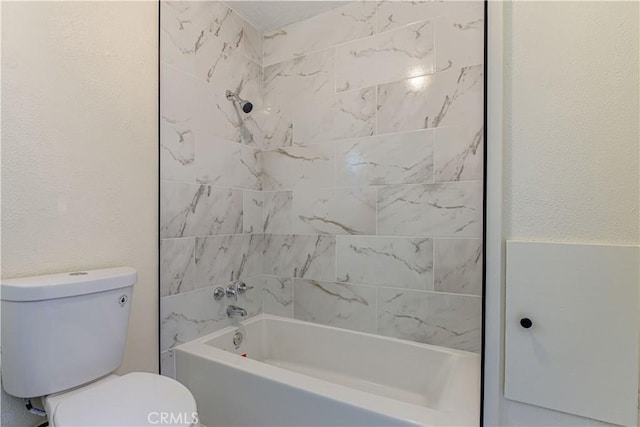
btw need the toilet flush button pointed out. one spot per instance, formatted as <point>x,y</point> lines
<point>122,300</point>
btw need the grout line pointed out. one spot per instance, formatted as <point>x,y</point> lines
<point>342,236</point>
<point>435,293</point>
<point>377,307</point>
<point>403,79</point>
<point>377,130</point>
<point>376,211</point>
<point>433,264</point>
<point>293,56</point>
<point>310,189</point>
<point>293,297</point>
<point>335,70</point>
<point>335,260</point>
<point>335,164</point>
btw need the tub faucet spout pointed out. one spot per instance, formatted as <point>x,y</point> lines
<point>234,310</point>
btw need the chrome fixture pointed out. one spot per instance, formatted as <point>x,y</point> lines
<point>242,288</point>
<point>218,293</point>
<point>245,105</point>
<point>231,292</point>
<point>234,310</point>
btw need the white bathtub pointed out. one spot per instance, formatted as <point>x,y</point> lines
<point>302,374</point>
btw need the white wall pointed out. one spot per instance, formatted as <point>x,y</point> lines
<point>571,170</point>
<point>80,150</point>
<point>571,148</point>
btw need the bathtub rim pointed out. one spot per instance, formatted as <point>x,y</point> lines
<point>407,412</point>
<point>264,316</point>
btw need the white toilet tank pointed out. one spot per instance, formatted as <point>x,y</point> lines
<point>60,331</point>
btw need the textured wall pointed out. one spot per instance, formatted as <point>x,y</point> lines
<point>572,128</point>
<point>79,150</point>
<point>571,141</point>
<point>373,170</point>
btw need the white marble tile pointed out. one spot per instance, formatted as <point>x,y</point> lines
<point>177,153</point>
<point>458,266</point>
<point>458,153</point>
<point>392,14</point>
<point>291,168</point>
<point>385,261</point>
<point>215,19</point>
<point>403,158</point>
<point>291,255</point>
<point>442,99</point>
<point>167,364</point>
<point>251,42</point>
<point>228,164</point>
<point>252,212</point>
<point>300,78</point>
<point>459,41</point>
<point>335,304</point>
<point>278,212</point>
<point>250,129</point>
<point>180,97</point>
<point>188,210</point>
<point>231,28</point>
<point>224,259</point>
<point>224,67</point>
<point>189,103</point>
<point>335,116</point>
<point>393,55</point>
<point>327,29</point>
<point>187,316</point>
<point>276,122</point>
<point>435,210</point>
<point>205,39</point>
<point>187,29</point>
<point>453,321</point>
<point>177,266</point>
<point>278,296</point>
<point>181,33</point>
<point>335,211</point>
<point>223,118</point>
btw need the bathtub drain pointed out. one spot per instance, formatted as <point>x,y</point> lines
<point>237,339</point>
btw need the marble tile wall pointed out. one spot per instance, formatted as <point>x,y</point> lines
<point>352,194</point>
<point>373,167</point>
<point>211,213</point>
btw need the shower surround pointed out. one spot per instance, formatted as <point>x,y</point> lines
<point>352,194</point>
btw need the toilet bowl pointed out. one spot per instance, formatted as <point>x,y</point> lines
<point>63,336</point>
<point>135,399</point>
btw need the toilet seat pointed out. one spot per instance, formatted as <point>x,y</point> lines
<point>135,399</point>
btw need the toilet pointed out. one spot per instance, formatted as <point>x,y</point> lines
<point>63,335</point>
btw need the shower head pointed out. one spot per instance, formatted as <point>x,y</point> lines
<point>245,105</point>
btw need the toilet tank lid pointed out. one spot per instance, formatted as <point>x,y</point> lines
<point>61,285</point>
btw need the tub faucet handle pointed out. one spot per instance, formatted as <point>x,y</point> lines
<point>242,288</point>
<point>218,293</point>
<point>231,292</point>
